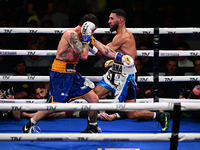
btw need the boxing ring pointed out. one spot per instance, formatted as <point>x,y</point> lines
<point>126,134</point>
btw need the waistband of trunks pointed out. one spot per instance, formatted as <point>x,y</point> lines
<point>64,67</point>
<point>120,68</point>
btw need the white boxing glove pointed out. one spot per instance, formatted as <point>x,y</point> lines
<point>86,31</point>
<point>125,59</point>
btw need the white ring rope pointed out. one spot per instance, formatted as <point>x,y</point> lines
<point>178,30</point>
<point>101,30</point>
<point>148,100</point>
<point>8,52</point>
<point>32,78</point>
<point>96,137</point>
<point>149,53</point>
<point>96,106</point>
<point>62,30</point>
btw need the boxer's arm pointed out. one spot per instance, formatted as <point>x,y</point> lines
<point>104,51</point>
<point>109,52</point>
<point>80,48</point>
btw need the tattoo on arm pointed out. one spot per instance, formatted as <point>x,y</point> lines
<point>76,43</point>
<point>109,50</point>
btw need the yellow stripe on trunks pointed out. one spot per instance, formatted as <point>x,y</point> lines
<point>64,67</point>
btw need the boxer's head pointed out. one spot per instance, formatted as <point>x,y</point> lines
<point>116,17</point>
<point>89,17</point>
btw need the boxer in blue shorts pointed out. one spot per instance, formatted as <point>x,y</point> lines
<point>120,79</point>
<point>66,84</point>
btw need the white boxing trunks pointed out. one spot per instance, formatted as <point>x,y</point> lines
<point>117,80</point>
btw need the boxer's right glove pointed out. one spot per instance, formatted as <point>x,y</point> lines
<point>125,59</point>
<point>86,31</point>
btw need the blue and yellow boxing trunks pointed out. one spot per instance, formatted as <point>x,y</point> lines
<point>66,84</point>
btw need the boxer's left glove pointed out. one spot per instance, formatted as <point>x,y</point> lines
<point>86,31</point>
<point>125,59</point>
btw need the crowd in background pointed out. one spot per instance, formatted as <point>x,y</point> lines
<point>67,13</point>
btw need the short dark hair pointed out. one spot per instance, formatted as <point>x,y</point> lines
<point>173,59</point>
<point>120,12</point>
<point>89,17</point>
<point>38,85</point>
<point>17,60</point>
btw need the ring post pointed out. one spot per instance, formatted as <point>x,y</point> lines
<point>175,127</point>
<point>156,65</point>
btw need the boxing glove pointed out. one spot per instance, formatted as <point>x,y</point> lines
<point>86,31</point>
<point>108,63</point>
<point>125,59</point>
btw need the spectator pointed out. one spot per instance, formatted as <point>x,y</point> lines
<point>50,40</point>
<point>172,41</point>
<point>190,94</point>
<point>41,92</point>
<point>8,114</point>
<point>31,36</point>
<point>183,61</point>
<point>40,10</point>
<point>146,60</point>
<point>171,88</point>
<point>138,39</point>
<point>141,72</point>
<point>196,64</point>
<point>47,24</point>
<point>18,89</point>
<point>44,42</point>
<point>171,67</point>
<point>33,60</point>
